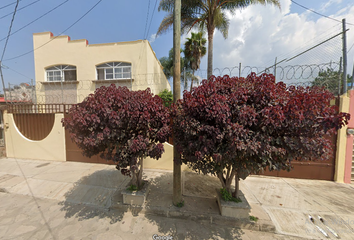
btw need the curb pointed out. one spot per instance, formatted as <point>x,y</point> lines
<point>179,213</point>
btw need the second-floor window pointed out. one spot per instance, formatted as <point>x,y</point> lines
<point>114,70</point>
<point>61,73</point>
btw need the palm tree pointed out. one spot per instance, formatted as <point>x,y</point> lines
<point>194,50</point>
<point>167,64</point>
<point>207,15</point>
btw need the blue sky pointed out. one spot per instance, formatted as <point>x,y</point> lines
<point>257,34</point>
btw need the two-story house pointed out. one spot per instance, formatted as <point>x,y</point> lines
<point>68,70</point>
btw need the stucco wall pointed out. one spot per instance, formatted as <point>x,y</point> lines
<point>341,142</point>
<point>50,148</point>
<point>63,51</point>
<point>349,140</point>
<point>165,162</point>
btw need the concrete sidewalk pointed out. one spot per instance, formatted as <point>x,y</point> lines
<point>282,205</point>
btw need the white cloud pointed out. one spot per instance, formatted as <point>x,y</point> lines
<point>328,4</point>
<point>259,34</point>
<point>152,38</point>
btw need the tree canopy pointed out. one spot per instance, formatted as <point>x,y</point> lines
<point>232,127</point>
<point>194,50</point>
<point>206,15</point>
<point>121,125</point>
<point>331,79</point>
<point>167,64</point>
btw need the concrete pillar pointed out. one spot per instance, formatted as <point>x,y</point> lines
<point>341,143</point>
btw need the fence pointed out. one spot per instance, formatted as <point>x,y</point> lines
<point>71,92</point>
<point>321,62</point>
<point>38,108</point>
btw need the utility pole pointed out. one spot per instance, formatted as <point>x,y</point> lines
<point>3,83</point>
<point>177,176</point>
<point>344,77</point>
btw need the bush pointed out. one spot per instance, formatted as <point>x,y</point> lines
<point>232,127</point>
<point>167,97</point>
<point>122,125</point>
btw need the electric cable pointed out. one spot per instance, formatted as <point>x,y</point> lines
<point>147,20</point>
<point>21,55</point>
<point>8,35</point>
<point>8,5</point>
<point>320,14</point>
<point>35,19</point>
<point>20,9</point>
<point>153,12</point>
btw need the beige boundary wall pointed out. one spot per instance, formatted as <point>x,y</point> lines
<point>53,147</point>
<point>165,162</point>
<point>50,148</point>
<point>341,142</point>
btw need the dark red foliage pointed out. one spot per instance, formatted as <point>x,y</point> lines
<point>120,124</point>
<point>251,123</point>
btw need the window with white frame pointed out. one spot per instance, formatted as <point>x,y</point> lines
<point>61,73</point>
<point>114,70</point>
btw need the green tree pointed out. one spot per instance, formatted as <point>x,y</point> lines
<point>233,127</point>
<point>330,79</point>
<point>167,64</point>
<point>207,15</point>
<point>194,50</point>
<point>167,97</point>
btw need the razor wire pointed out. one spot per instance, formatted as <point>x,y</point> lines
<point>72,92</point>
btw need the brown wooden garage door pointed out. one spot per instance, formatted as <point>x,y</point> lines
<point>320,170</point>
<point>74,153</point>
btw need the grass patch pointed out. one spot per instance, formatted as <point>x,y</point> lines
<point>132,188</point>
<point>226,196</point>
<point>180,204</point>
<point>253,218</point>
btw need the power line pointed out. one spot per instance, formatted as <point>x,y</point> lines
<point>57,35</point>
<point>321,37</point>
<point>8,35</point>
<point>19,9</point>
<point>350,48</point>
<point>147,20</point>
<point>6,67</point>
<point>9,4</point>
<point>147,34</point>
<point>320,14</point>
<point>35,19</point>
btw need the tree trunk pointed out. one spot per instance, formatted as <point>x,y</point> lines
<point>226,181</point>
<point>235,194</point>
<point>192,81</point>
<point>210,51</point>
<point>177,172</point>
<point>134,180</point>
<point>137,175</point>
<point>140,173</point>
<point>185,80</point>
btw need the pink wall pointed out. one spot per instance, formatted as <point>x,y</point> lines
<point>349,148</point>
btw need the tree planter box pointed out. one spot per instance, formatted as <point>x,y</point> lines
<point>232,209</point>
<point>136,198</point>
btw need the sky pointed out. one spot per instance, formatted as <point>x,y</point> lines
<point>257,35</point>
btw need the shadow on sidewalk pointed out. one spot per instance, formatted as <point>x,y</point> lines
<point>187,222</point>
<point>90,197</point>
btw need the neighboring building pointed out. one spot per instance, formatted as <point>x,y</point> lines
<point>22,93</point>
<point>67,70</point>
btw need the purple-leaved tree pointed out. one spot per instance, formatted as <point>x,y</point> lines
<point>232,127</point>
<point>122,125</point>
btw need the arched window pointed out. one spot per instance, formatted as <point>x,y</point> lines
<point>61,73</point>
<point>114,70</point>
